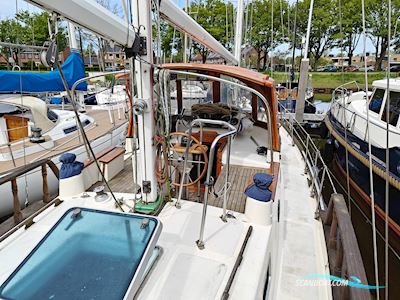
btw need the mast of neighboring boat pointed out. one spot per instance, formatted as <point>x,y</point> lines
<point>239,32</point>
<point>294,45</point>
<point>186,42</point>
<point>73,44</point>
<point>305,62</point>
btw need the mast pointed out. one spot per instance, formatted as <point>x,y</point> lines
<point>73,44</point>
<point>185,47</point>
<point>239,31</point>
<point>144,102</point>
<point>294,43</point>
<point>305,62</point>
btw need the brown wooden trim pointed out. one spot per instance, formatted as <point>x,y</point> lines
<point>179,95</point>
<point>24,169</point>
<point>46,194</point>
<point>103,152</point>
<point>54,169</point>
<point>220,152</point>
<point>232,71</point>
<point>113,154</point>
<point>274,171</point>
<point>254,105</point>
<point>17,205</point>
<point>344,254</point>
<point>216,88</point>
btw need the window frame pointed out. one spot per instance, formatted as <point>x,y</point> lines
<point>383,110</point>
<point>383,102</point>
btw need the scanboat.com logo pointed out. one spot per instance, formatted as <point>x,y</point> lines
<point>323,280</point>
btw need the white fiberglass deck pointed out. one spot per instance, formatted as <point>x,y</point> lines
<point>185,272</point>
<point>302,246</point>
<point>291,249</point>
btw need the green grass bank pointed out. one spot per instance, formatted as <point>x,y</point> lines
<point>333,80</point>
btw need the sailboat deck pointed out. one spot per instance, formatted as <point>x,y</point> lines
<point>240,178</point>
<point>123,182</point>
<point>102,127</point>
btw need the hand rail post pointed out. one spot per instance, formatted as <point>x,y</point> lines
<point>11,153</point>
<point>208,183</point>
<point>223,217</point>
<point>46,194</point>
<point>17,206</point>
<point>306,158</point>
<point>291,128</point>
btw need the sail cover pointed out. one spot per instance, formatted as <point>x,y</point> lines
<point>35,82</point>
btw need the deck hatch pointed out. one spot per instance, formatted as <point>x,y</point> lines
<point>91,255</point>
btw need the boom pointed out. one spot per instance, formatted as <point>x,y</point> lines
<point>89,14</point>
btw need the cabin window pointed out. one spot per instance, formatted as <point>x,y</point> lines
<point>394,109</point>
<point>261,113</point>
<point>70,129</point>
<point>52,115</point>
<point>376,100</point>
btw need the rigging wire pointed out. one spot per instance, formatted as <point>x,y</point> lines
<point>251,21</point>
<point>371,183</point>
<point>172,44</point>
<point>71,98</point>
<point>22,117</point>
<point>387,159</point>
<point>368,220</point>
<point>246,21</point>
<point>272,38</point>
<point>226,22</point>
<point>345,112</point>
<point>283,27</point>
<point>294,43</point>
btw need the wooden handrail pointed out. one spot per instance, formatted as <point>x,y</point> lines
<point>345,257</point>
<point>29,167</point>
<point>12,177</point>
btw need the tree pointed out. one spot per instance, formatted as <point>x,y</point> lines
<point>351,26</point>
<point>377,26</point>
<point>171,42</point>
<point>29,29</point>
<point>211,15</point>
<point>103,44</point>
<point>9,30</point>
<point>261,33</point>
<point>324,30</point>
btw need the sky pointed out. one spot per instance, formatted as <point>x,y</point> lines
<point>8,9</point>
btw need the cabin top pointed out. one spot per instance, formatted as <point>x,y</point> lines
<point>394,84</point>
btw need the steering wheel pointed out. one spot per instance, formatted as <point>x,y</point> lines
<point>196,165</point>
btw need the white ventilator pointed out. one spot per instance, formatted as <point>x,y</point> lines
<point>258,212</point>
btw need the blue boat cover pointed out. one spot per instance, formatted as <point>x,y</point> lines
<point>36,82</point>
<point>69,166</point>
<point>260,189</point>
